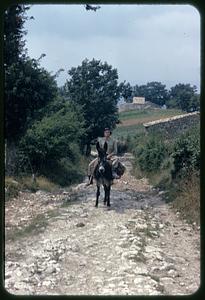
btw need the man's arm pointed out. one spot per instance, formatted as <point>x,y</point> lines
<point>115,148</point>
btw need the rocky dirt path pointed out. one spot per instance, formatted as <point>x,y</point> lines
<point>60,244</point>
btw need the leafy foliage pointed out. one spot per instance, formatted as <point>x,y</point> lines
<point>154,92</point>
<point>182,96</point>
<point>43,131</point>
<point>151,154</point>
<point>14,19</point>
<point>167,163</point>
<point>91,7</point>
<point>93,85</point>
<point>126,91</point>
<point>185,97</point>
<point>186,153</point>
<point>65,171</point>
<point>154,153</point>
<point>27,86</point>
<point>27,89</point>
<point>53,138</point>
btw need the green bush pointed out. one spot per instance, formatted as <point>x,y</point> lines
<point>151,154</point>
<point>51,145</point>
<point>173,166</point>
<point>186,154</point>
<point>52,138</point>
<point>136,141</point>
<point>66,171</point>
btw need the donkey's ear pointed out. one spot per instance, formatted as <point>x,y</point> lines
<point>98,146</point>
<point>105,146</point>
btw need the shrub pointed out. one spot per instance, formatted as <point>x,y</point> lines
<point>28,183</point>
<point>50,146</point>
<point>136,141</point>
<point>185,194</point>
<point>173,166</point>
<point>52,138</point>
<point>66,171</point>
<point>186,154</point>
<point>121,147</point>
<point>151,154</point>
<point>12,188</point>
<point>40,183</point>
<point>46,185</point>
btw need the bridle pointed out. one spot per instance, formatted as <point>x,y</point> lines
<point>101,162</point>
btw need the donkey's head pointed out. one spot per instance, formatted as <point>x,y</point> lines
<point>102,157</point>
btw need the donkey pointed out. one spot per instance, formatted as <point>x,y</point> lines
<point>103,174</point>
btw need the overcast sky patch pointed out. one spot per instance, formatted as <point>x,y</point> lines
<point>144,42</point>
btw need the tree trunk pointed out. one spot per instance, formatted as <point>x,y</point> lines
<point>88,150</point>
<point>10,158</point>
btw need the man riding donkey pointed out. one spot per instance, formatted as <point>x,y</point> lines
<point>117,168</point>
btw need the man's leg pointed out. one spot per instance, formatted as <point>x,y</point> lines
<point>115,161</point>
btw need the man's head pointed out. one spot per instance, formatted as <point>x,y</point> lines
<point>107,132</point>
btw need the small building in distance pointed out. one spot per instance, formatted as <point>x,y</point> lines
<point>138,103</point>
<point>138,100</point>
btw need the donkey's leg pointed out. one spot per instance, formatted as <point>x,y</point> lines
<point>105,197</point>
<point>108,195</point>
<point>97,195</point>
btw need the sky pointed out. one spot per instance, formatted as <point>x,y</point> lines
<point>144,42</point>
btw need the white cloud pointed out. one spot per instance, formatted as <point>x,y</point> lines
<point>145,43</point>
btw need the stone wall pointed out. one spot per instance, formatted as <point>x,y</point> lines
<point>170,127</point>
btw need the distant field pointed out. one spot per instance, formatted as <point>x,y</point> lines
<point>148,113</point>
<point>132,121</point>
<point>124,131</point>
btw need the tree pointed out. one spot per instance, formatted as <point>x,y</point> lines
<point>27,86</point>
<point>139,91</point>
<point>14,19</point>
<point>91,7</point>
<point>126,91</point>
<point>194,103</point>
<point>157,92</point>
<point>93,85</point>
<point>154,92</point>
<point>184,96</point>
<point>27,89</point>
<point>136,92</point>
